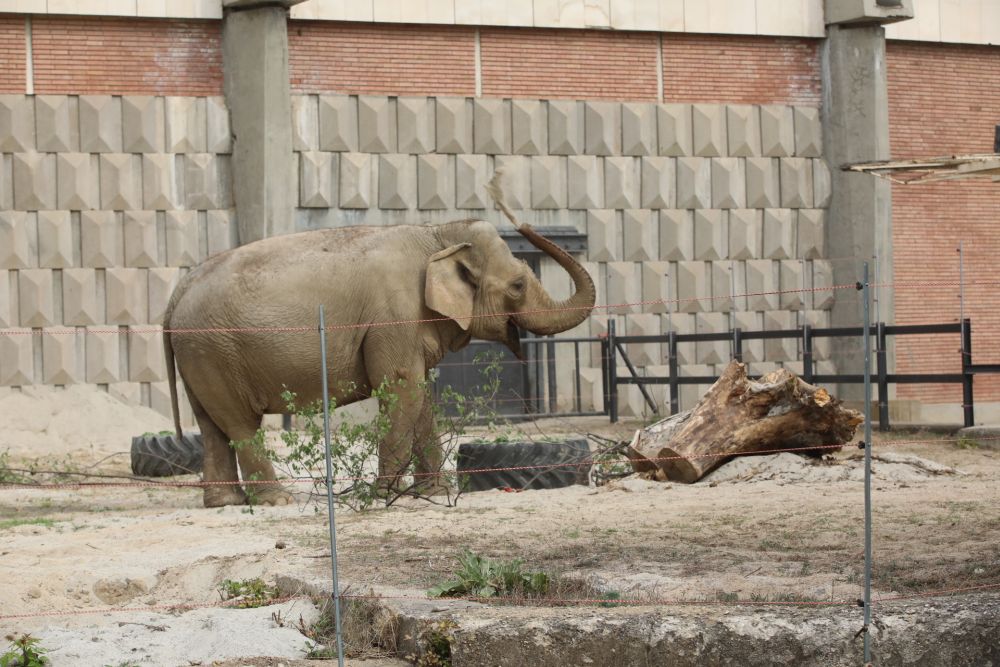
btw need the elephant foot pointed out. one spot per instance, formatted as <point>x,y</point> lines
<point>432,488</point>
<point>269,494</point>
<point>220,496</point>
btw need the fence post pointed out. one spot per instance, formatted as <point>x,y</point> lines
<point>612,371</point>
<point>578,403</point>
<point>807,353</point>
<point>738,344</point>
<point>968,400</point>
<point>329,487</point>
<point>866,332</point>
<point>883,379</point>
<point>672,364</point>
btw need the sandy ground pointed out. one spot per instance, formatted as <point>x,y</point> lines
<point>94,560</point>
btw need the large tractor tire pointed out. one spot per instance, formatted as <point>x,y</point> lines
<point>539,463</point>
<point>165,455</point>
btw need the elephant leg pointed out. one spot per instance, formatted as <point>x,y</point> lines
<point>427,453</point>
<point>220,462</point>
<point>259,478</point>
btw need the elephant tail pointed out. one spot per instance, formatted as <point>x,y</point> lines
<point>168,353</point>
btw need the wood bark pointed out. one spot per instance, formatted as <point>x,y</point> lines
<point>742,416</point>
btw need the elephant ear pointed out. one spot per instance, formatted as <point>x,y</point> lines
<point>446,289</point>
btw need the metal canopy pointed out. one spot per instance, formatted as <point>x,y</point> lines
<point>929,170</point>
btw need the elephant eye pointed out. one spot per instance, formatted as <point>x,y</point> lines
<point>517,286</point>
<point>467,275</point>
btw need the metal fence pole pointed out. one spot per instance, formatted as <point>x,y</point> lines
<point>329,488</point>
<point>865,295</point>
<point>612,371</point>
<point>968,399</point>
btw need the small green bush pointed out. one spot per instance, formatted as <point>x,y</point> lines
<point>484,577</point>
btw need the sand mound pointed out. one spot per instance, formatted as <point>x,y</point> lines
<point>80,420</point>
<point>792,468</point>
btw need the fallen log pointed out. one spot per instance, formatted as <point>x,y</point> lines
<point>741,416</point>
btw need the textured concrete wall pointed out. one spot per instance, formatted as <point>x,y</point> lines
<point>105,202</point>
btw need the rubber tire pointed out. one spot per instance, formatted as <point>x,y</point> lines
<point>166,455</point>
<point>476,456</point>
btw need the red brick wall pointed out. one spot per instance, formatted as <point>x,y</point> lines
<point>741,69</point>
<point>388,59</point>
<point>581,64</point>
<point>127,56</point>
<point>945,99</point>
<point>12,51</point>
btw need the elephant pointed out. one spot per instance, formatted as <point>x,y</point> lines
<point>397,298</point>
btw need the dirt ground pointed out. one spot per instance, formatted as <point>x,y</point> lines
<point>775,528</point>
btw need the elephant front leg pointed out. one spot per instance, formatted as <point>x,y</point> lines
<point>222,487</point>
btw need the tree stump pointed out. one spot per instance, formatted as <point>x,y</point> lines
<point>741,416</point>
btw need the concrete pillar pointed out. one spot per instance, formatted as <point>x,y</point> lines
<point>255,70</point>
<point>856,129</point>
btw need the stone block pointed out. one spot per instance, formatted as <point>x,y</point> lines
<point>548,181</point>
<point>181,236</point>
<point>338,123</point>
<point>639,244</point>
<point>186,124</point>
<point>822,184</point>
<point>602,236</point>
<point>808,132</point>
<point>602,128</point>
<point>55,240</point>
<point>745,233</point>
<point>127,301</point>
<point>674,134</point>
<point>471,176</point>
<point>17,358</point>
<point>517,182</point>
<point>141,239</point>
<point>121,181</point>
<point>694,182</point>
<point>779,233</point>
<point>777,130</point>
<point>811,232</point>
<point>453,124</point>
<point>305,122</point>
<point>78,183</point>
<point>728,182</point>
<point>162,282</point>
<point>161,182</point>
<point>780,349</point>
<point>621,182</point>
<point>318,179</point>
<point>145,356</point>
<point>219,138</point>
<point>711,235</point>
<point>796,182</point>
<point>34,181</point>
<point>80,303</point>
<point>739,280</point>
<point>529,127</point>
<point>791,280</point>
<point>657,295</point>
<point>6,182</point>
<point>743,127</point>
<point>7,318</point>
<point>60,365</point>
<point>712,352</point>
<point>566,127</point>
<point>17,124</point>
<point>415,118</point>
<point>143,124</point>
<point>35,298</point>
<point>822,285</point>
<point>435,185</point>
<point>100,124</point>
<point>753,350</point>
<point>356,181</point>
<point>723,286</point>
<point>638,135</point>
<point>130,393</point>
<point>709,125</point>
<point>57,124</point>
<point>585,176</point>
<point>397,181</point>
<point>491,126</point>
<point>819,319</point>
<point>18,237</point>
<point>100,239</point>
<point>376,124</point>
<point>693,281</point>
<point>762,182</point>
<point>658,186</point>
<point>624,287</point>
<point>676,234</point>
<point>762,284</point>
<point>103,364</point>
<point>221,232</point>
<point>643,324</point>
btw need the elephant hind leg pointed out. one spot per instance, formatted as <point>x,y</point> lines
<point>220,462</point>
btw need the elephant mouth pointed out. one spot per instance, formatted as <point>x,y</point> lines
<point>514,339</point>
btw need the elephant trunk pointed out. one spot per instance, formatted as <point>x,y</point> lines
<point>543,315</point>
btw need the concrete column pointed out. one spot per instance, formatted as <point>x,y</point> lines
<point>255,70</point>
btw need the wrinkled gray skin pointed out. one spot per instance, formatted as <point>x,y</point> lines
<point>362,275</point>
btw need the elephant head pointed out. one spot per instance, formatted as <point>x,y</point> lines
<point>490,294</point>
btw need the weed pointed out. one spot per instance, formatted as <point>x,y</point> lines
<point>24,651</point>
<point>368,630</point>
<point>485,577</point>
<point>436,641</point>
<point>965,442</point>
<point>13,523</point>
<point>248,593</point>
